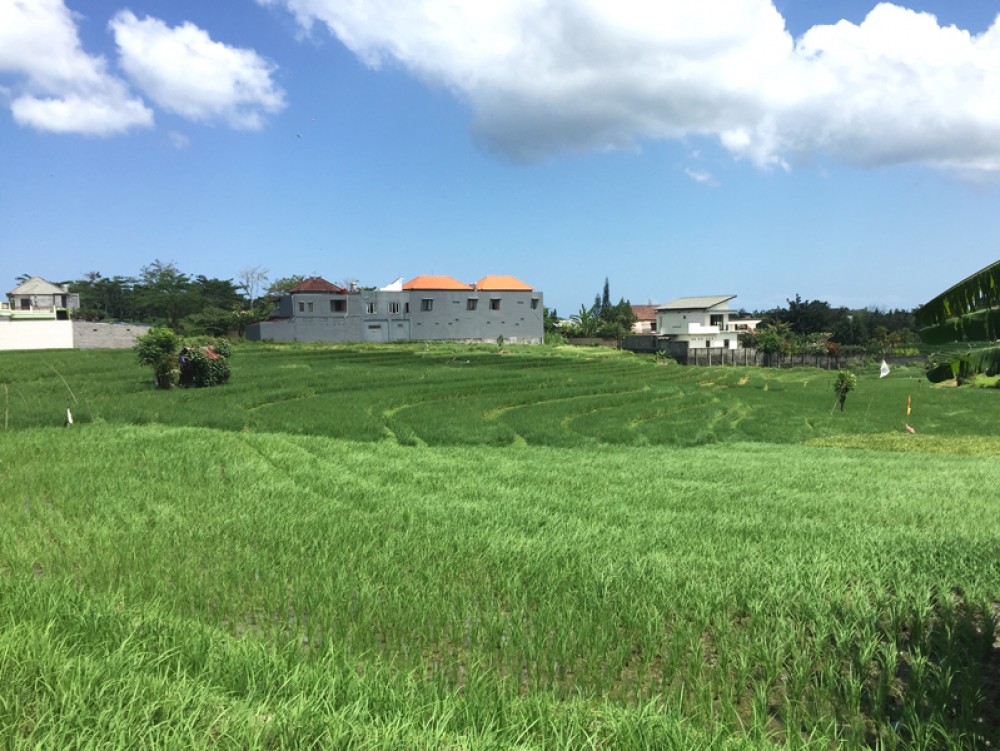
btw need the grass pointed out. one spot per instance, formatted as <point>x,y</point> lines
<point>507,551</point>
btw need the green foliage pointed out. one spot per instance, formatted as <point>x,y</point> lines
<point>603,319</point>
<point>208,370</point>
<point>285,283</point>
<point>843,384</point>
<point>968,311</point>
<point>976,292</point>
<point>162,294</point>
<point>838,603</point>
<point>158,349</point>
<point>206,364</point>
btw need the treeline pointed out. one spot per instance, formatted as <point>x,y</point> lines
<point>815,327</point>
<point>164,295</point>
<point>602,320</point>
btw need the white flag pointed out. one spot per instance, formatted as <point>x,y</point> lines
<point>884,370</point>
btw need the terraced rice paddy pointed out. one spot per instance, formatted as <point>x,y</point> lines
<point>455,548</point>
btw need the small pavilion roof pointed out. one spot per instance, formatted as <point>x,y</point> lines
<point>36,286</point>
<point>317,284</point>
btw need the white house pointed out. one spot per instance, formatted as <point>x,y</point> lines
<point>701,322</point>
<point>36,294</point>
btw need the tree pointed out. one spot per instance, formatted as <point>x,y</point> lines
<point>844,383</point>
<point>550,320</point>
<point>158,349</point>
<point>285,283</point>
<point>251,280</point>
<point>771,339</point>
<point>102,298</point>
<point>165,294</point>
<point>585,322</point>
<point>216,293</point>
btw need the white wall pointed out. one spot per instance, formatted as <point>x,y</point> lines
<point>28,334</point>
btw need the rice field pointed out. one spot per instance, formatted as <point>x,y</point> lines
<point>453,548</point>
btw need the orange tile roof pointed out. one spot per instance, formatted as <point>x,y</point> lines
<point>435,282</point>
<point>498,283</point>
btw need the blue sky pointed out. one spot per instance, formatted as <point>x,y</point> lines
<point>740,147</point>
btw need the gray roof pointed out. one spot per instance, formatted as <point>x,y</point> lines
<point>36,286</point>
<point>696,303</point>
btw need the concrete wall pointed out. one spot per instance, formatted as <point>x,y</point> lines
<point>39,334</point>
<point>88,335</point>
<point>418,315</point>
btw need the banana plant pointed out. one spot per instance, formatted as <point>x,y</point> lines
<point>966,312</point>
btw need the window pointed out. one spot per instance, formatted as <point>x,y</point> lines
<point>427,304</point>
<point>472,304</point>
<point>534,303</point>
<point>406,307</point>
<point>338,306</point>
<point>371,307</point>
<point>302,307</point>
<point>494,303</point>
<point>716,320</point>
<point>394,307</point>
<point>309,307</point>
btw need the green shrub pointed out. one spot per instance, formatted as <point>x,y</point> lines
<point>844,383</point>
<point>158,349</point>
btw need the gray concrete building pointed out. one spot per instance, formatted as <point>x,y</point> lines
<point>427,308</point>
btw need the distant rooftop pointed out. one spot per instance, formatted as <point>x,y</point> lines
<point>696,303</point>
<point>317,284</point>
<point>37,286</point>
<point>435,283</point>
<point>644,312</point>
<point>503,283</point>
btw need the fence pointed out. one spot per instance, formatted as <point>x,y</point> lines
<point>705,356</point>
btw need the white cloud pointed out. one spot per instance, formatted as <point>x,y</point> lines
<point>58,86</point>
<point>547,75</point>
<point>178,140</point>
<point>183,70</point>
<point>702,177</point>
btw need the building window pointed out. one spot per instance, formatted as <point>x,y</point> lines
<point>309,307</point>
<point>716,320</point>
<point>370,308</point>
<point>406,307</point>
<point>472,304</point>
<point>494,303</point>
<point>338,306</point>
<point>427,304</point>
<point>394,307</point>
<point>534,303</point>
<point>302,307</point>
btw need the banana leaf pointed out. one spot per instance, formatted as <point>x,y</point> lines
<point>938,372</point>
<point>976,326</point>
<point>943,333</point>
<point>986,361</point>
<point>978,291</point>
<point>942,367</point>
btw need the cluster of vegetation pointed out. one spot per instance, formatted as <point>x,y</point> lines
<point>189,365</point>
<point>296,589</point>
<point>602,320</point>
<point>190,305</point>
<point>814,328</point>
